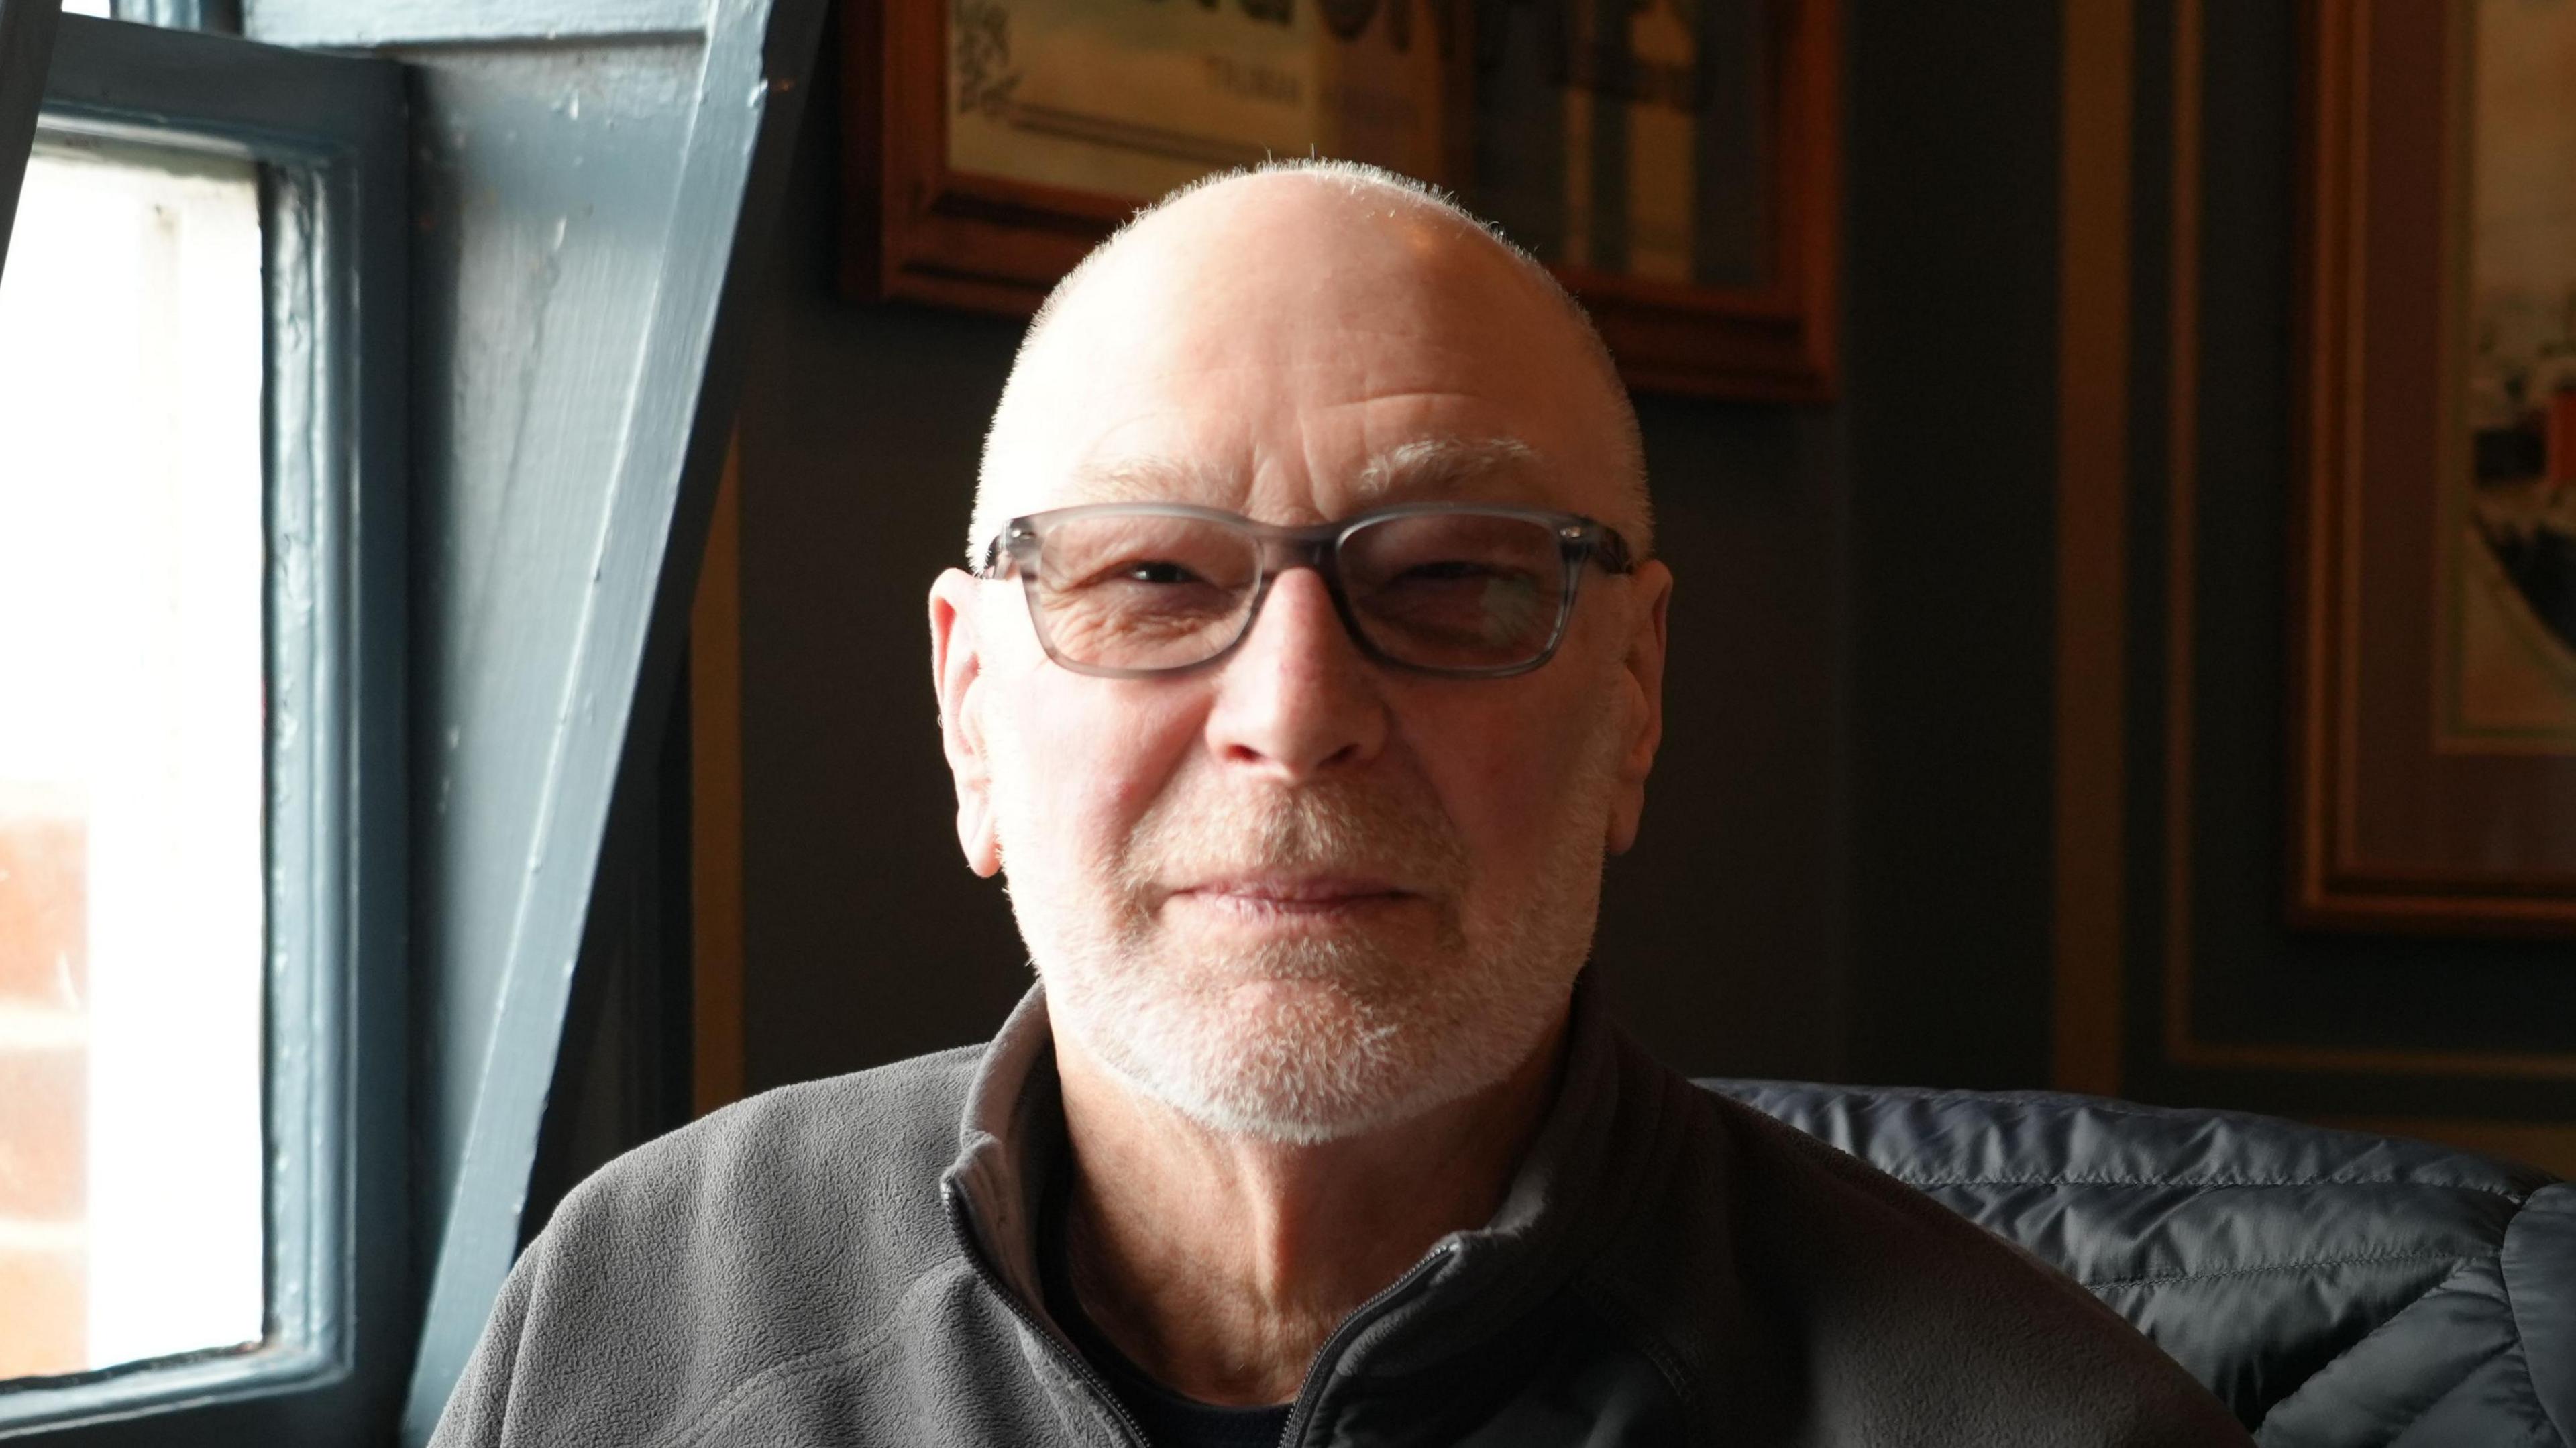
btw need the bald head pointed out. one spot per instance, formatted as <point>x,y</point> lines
<point>1302,852</point>
<point>1287,334</point>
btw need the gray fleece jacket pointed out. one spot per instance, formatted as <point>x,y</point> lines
<point>845,1263</point>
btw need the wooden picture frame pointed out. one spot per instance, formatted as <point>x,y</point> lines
<point>915,228</point>
<point>2433,720</point>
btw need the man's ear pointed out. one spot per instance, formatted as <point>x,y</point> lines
<point>957,673</point>
<point>1641,678</point>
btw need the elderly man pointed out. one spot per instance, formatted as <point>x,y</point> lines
<point>1310,663</point>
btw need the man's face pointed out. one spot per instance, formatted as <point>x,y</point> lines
<point>1294,893</point>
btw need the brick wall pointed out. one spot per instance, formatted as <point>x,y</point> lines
<point>44,1061</point>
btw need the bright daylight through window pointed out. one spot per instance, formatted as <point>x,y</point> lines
<point>132,878</point>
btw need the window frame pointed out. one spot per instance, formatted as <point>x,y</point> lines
<point>327,133</point>
<point>26,48</point>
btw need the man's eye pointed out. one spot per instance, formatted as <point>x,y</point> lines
<point>1152,570</point>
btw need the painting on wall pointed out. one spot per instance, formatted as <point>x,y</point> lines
<point>1674,160</point>
<point>2512,680</point>
<point>2436,778</point>
<point>1132,99</point>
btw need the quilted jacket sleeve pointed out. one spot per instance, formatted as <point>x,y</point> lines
<point>2335,1289</point>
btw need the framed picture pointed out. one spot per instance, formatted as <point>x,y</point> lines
<point>1674,160</point>
<point>2435,778</point>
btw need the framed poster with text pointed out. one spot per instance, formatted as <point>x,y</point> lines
<point>1674,160</point>
<point>2435,743</point>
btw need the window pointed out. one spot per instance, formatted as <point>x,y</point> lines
<point>131,563</point>
<point>561,299</point>
<point>201,1126</point>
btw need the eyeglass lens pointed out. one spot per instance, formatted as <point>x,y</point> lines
<point>1462,591</point>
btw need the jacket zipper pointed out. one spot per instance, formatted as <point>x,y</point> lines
<point>1064,1356</point>
<point>1302,1407</point>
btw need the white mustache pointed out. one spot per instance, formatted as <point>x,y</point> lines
<point>1339,829</point>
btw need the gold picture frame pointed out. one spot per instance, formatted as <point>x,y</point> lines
<point>2434,709</point>
<point>990,143</point>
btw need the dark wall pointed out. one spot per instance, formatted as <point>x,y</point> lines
<point>2305,1022</point>
<point>1846,865</point>
<point>1952,155</point>
<point>868,940</point>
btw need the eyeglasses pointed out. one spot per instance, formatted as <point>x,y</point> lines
<point>1460,590</point>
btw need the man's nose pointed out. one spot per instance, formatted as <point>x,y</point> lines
<point>1296,696</point>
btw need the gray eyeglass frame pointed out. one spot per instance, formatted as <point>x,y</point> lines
<point>1580,540</point>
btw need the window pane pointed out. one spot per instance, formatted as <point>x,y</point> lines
<point>132,892</point>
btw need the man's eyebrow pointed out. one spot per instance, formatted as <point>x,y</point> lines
<point>1444,467</point>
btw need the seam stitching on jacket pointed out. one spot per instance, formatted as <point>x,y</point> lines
<point>2545,1432</point>
<point>2064,1102</point>
<point>2102,1105</point>
<point>1926,1183</point>
<point>788,1370</point>
<point>2305,1265</point>
<point>800,1366</point>
<point>2377,1329</point>
<point>1592,1286</point>
<point>2513,1314</point>
<point>1612,1306</point>
<point>2398,1431</point>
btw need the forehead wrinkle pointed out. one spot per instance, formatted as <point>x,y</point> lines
<point>1145,478</point>
<point>1417,470</point>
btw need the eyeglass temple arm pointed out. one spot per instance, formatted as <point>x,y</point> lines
<point>1612,551</point>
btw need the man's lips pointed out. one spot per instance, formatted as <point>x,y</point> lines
<point>1296,895</point>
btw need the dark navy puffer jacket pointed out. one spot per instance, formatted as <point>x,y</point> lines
<point>2336,1290</point>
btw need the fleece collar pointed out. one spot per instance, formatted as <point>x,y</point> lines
<point>1561,1208</point>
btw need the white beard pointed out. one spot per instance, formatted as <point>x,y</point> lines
<point>1307,1039</point>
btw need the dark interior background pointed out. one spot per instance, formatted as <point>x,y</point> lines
<point>1844,854</point>
<point>1846,870</point>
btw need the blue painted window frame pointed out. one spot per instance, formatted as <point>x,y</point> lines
<point>328,135</point>
<point>26,46</point>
